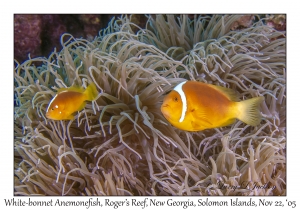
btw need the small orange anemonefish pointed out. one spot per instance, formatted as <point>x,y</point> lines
<point>69,100</point>
<point>195,106</point>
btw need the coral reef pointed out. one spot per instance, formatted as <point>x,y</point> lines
<point>27,36</point>
<point>40,34</point>
<point>120,144</point>
<point>277,21</point>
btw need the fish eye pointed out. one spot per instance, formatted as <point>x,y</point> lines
<point>52,109</point>
<point>175,99</point>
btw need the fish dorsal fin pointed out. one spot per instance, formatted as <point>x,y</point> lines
<point>72,88</point>
<point>229,93</point>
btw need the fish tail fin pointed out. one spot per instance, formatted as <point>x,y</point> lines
<point>248,111</point>
<point>91,92</point>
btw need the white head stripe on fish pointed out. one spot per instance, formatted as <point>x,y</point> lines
<point>51,102</point>
<point>179,90</point>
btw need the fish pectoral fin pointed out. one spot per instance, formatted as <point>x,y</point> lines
<point>205,121</point>
<point>201,117</point>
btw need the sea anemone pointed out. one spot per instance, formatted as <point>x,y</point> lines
<point>120,144</point>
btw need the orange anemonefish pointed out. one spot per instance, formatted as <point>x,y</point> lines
<point>69,100</point>
<point>195,106</point>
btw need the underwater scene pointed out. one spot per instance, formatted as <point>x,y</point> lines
<point>150,105</point>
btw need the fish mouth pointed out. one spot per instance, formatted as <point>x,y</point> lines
<point>48,116</point>
<point>164,105</point>
<point>164,108</point>
<point>165,111</point>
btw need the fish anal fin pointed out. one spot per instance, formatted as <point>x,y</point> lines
<point>82,106</point>
<point>71,117</point>
<point>228,122</point>
<point>229,93</point>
